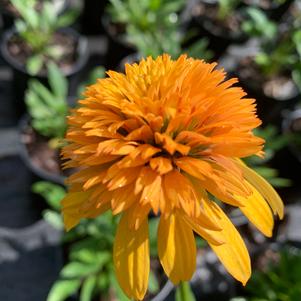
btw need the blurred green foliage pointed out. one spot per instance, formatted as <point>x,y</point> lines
<point>37,27</point>
<point>89,271</point>
<point>153,27</point>
<point>48,107</point>
<point>280,281</point>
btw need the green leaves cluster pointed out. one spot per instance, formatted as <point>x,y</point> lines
<point>89,271</point>
<point>48,107</point>
<point>152,26</point>
<point>36,28</point>
<point>280,47</point>
<point>280,282</point>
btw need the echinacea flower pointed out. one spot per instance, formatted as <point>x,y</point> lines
<point>166,137</point>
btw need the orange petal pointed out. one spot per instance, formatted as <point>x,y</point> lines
<point>176,248</point>
<point>131,257</point>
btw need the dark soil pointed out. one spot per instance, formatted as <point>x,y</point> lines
<point>67,45</point>
<point>40,153</point>
<point>279,87</point>
<point>209,12</point>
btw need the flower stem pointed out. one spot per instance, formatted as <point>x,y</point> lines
<point>184,292</point>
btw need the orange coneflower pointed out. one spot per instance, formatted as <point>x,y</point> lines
<point>163,137</point>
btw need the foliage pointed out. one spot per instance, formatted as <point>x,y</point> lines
<point>280,49</point>
<point>280,282</point>
<point>226,7</point>
<point>36,28</point>
<point>257,24</point>
<point>152,26</point>
<point>146,15</point>
<point>48,107</point>
<point>89,270</point>
<point>273,143</point>
<point>184,292</point>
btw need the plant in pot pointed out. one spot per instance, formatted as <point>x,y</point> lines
<point>39,37</point>
<point>145,17</point>
<point>42,132</point>
<point>9,13</point>
<point>220,20</point>
<point>171,41</point>
<point>267,76</point>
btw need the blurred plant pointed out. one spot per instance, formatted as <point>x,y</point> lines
<point>281,281</point>
<point>89,270</point>
<point>257,24</point>
<point>48,108</point>
<point>274,142</point>
<point>146,15</point>
<point>280,49</point>
<point>36,28</point>
<point>151,25</point>
<point>96,73</point>
<point>226,8</point>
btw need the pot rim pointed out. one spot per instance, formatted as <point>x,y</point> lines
<point>82,50</point>
<point>40,172</point>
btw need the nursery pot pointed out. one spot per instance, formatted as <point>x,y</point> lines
<point>21,76</point>
<point>92,13</point>
<point>118,47</point>
<point>38,171</point>
<point>8,16</point>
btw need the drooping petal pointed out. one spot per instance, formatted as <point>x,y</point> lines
<point>256,209</point>
<point>233,252</point>
<point>264,188</point>
<point>131,257</point>
<point>176,248</point>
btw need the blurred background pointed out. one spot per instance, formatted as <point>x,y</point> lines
<point>50,50</point>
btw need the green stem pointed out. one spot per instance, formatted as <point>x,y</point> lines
<point>184,292</point>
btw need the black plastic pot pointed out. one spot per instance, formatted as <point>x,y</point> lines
<point>37,172</point>
<point>92,13</point>
<point>129,59</point>
<point>118,47</point>
<point>8,18</point>
<point>21,76</point>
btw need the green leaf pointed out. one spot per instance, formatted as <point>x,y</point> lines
<point>87,288</point>
<point>77,269</point>
<point>118,291</point>
<point>153,284</point>
<point>62,289</point>
<point>58,82</point>
<point>52,193</point>
<point>68,18</point>
<point>54,219</point>
<point>34,64</point>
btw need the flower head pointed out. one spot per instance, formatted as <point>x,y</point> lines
<point>165,137</point>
